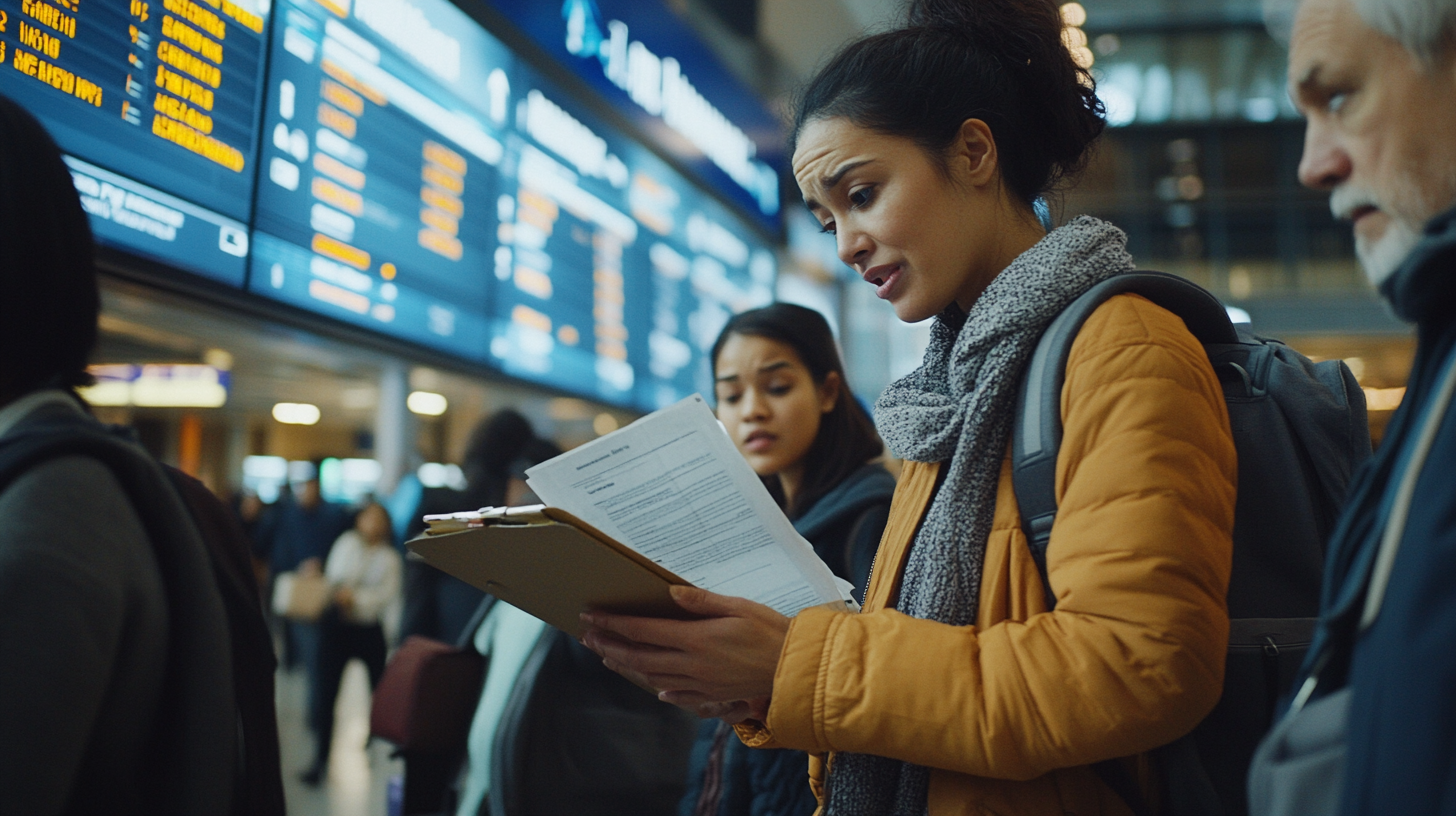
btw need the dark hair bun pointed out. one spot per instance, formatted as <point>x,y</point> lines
<point>1001,61</point>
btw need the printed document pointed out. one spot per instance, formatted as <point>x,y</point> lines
<point>672,487</point>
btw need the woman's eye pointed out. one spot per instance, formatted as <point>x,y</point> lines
<point>1336,101</point>
<point>728,399</point>
<point>827,227</point>
<point>862,197</point>
<point>780,390</point>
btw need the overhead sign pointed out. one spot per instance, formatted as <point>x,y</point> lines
<point>641,56</point>
<point>183,385</point>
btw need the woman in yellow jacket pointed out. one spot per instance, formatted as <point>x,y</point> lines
<point>955,690</point>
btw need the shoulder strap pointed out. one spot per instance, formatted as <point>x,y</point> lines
<point>1037,436</point>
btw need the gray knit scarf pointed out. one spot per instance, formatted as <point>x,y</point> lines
<point>958,408</point>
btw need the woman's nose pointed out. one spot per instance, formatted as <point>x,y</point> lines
<point>752,405</point>
<point>854,247</point>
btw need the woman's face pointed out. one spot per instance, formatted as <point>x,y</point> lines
<point>922,239</point>
<point>769,402</point>
<point>373,524</point>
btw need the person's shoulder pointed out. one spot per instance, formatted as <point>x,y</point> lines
<point>65,486</point>
<point>1130,324</point>
<point>63,508</point>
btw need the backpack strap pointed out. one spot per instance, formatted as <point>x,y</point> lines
<point>1037,437</point>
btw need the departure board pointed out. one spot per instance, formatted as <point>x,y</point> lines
<point>157,101</point>
<point>618,272</point>
<point>378,176</point>
<point>390,164</point>
<point>417,178</point>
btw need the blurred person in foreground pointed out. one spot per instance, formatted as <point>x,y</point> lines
<point>116,666</point>
<point>1376,81</point>
<point>783,397</point>
<point>363,573</point>
<point>437,605</point>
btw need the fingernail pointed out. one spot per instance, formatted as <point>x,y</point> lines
<point>678,591</point>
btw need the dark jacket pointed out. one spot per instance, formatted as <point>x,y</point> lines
<point>844,526</point>
<point>297,534</point>
<point>115,653</point>
<point>1402,727</point>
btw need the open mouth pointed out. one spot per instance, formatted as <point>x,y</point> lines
<point>759,441</point>
<point>884,278</point>
<point>880,274</point>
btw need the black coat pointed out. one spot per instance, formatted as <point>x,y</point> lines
<point>1402,670</point>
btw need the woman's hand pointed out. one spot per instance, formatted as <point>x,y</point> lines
<point>721,665</point>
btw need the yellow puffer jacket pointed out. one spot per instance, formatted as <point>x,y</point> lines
<point>1010,712</point>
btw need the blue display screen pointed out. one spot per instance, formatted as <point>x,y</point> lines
<point>651,66</point>
<point>393,166</point>
<point>420,180</point>
<point>164,93</point>
<point>378,180</point>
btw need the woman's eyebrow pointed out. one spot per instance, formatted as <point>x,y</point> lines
<point>832,180</point>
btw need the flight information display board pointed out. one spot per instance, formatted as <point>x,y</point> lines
<point>418,179</point>
<point>378,179</point>
<point>395,166</point>
<point>617,271</point>
<point>157,101</point>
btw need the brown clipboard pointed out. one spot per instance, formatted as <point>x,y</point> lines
<point>550,564</point>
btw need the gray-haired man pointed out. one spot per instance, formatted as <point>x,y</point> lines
<point>1376,711</point>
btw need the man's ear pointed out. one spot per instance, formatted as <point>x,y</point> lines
<point>829,392</point>
<point>974,153</point>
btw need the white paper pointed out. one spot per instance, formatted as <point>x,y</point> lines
<point>672,487</point>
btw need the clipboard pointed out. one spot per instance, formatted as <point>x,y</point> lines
<point>550,564</point>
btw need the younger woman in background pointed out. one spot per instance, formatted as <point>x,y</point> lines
<point>783,398</point>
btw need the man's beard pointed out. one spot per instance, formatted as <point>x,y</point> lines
<point>1382,256</point>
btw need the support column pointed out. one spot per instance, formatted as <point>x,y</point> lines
<point>394,426</point>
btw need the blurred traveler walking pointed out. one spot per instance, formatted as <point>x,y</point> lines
<point>1373,728</point>
<point>116,662</point>
<point>363,573</point>
<point>956,690</point>
<point>300,530</point>
<point>783,397</point>
<point>437,605</point>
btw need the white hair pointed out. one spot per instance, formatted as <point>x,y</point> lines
<point>1424,27</point>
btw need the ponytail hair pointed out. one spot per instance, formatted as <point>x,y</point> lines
<point>1001,61</point>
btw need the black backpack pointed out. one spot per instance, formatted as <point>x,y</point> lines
<point>200,549</point>
<point>1301,431</point>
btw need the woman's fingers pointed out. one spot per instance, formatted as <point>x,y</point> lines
<point>711,604</point>
<point>663,632</point>
<point>642,658</point>
<point>730,652</point>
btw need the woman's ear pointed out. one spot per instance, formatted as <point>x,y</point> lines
<point>974,153</point>
<point>829,391</point>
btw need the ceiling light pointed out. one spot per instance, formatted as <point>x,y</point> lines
<point>427,403</point>
<point>296,413</point>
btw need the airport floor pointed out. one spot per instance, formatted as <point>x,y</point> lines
<point>358,780</point>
